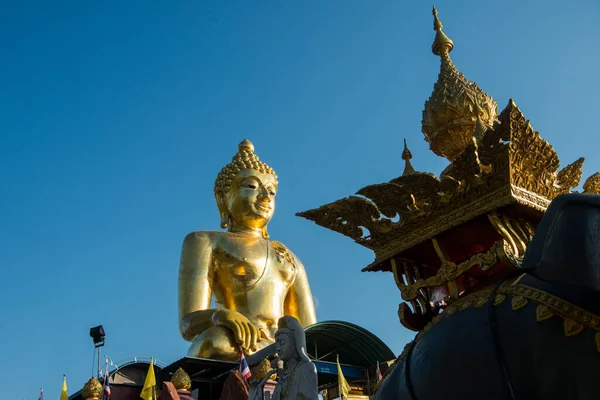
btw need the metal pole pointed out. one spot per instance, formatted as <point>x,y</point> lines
<point>368,383</point>
<point>98,362</point>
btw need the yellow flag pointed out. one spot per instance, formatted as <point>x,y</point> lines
<point>64,394</point>
<point>148,392</point>
<point>342,384</point>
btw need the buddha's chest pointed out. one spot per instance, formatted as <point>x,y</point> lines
<point>249,265</point>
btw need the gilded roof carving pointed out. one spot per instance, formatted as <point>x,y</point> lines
<point>495,161</point>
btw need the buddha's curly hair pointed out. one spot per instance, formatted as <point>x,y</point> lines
<point>244,159</point>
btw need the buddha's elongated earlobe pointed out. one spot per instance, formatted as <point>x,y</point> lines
<point>265,233</point>
<point>223,212</point>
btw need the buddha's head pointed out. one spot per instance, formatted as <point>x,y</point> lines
<point>245,191</point>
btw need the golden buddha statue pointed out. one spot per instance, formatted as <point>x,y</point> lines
<point>254,281</point>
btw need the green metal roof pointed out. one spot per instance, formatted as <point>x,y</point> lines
<point>355,345</point>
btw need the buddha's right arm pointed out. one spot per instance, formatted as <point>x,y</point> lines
<point>195,285</point>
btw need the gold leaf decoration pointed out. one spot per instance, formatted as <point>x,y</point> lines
<point>572,327</point>
<point>181,380</point>
<point>464,305</point>
<point>499,166</point>
<point>592,184</point>
<point>511,164</point>
<point>575,319</point>
<point>543,313</point>
<point>92,389</point>
<point>481,301</point>
<point>450,114</point>
<point>518,302</point>
<point>499,299</point>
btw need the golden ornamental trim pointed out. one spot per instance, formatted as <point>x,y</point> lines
<point>575,319</point>
<point>510,165</point>
<point>557,307</point>
<point>543,312</point>
<point>456,107</point>
<point>448,271</point>
<point>592,184</point>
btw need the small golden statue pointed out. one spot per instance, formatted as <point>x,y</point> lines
<point>182,383</point>
<point>254,281</point>
<point>181,380</point>
<point>92,390</point>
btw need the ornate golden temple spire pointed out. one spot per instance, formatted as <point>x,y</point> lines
<point>246,145</point>
<point>442,43</point>
<point>451,113</point>
<point>592,184</point>
<point>480,126</point>
<point>92,390</point>
<point>181,380</point>
<point>406,156</point>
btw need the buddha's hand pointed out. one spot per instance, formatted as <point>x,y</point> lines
<point>245,333</point>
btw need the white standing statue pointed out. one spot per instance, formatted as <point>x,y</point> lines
<point>296,374</point>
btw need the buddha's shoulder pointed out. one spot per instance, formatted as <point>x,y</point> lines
<point>216,239</point>
<point>203,237</point>
<point>279,245</point>
<point>283,248</point>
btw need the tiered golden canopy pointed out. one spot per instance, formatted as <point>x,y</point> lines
<point>448,233</point>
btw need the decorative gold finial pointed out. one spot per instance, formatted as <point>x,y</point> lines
<point>406,156</point>
<point>246,145</point>
<point>451,113</point>
<point>181,380</point>
<point>92,390</point>
<point>442,44</point>
<point>480,127</point>
<point>244,159</point>
<point>592,184</point>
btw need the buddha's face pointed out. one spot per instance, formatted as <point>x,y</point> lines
<point>285,346</point>
<point>251,200</point>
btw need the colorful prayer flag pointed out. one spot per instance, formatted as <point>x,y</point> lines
<point>342,384</point>
<point>106,383</point>
<point>148,392</point>
<point>64,394</point>
<point>244,369</point>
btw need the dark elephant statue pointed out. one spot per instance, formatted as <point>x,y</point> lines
<point>535,335</point>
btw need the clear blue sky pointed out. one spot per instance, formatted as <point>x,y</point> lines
<point>116,117</point>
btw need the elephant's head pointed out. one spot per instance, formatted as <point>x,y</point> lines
<point>566,245</point>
